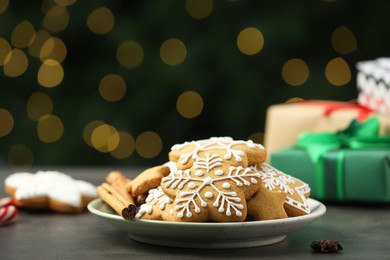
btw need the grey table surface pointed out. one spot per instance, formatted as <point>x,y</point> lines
<point>362,230</point>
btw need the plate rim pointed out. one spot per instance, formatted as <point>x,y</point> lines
<point>319,210</point>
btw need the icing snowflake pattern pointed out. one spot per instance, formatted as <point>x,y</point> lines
<point>274,179</point>
<point>221,143</point>
<point>205,175</point>
<point>155,196</point>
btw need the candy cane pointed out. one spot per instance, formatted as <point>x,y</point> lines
<point>7,214</point>
<point>4,202</point>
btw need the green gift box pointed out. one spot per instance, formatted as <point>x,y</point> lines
<point>350,165</point>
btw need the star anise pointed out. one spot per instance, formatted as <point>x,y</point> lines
<point>326,246</point>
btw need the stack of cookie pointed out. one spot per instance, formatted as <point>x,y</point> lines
<point>217,180</point>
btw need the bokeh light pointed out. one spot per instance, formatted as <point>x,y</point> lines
<point>53,49</point>
<point>199,9</point>
<point>295,72</point>
<point>3,5</point>
<point>257,137</point>
<point>88,130</point>
<point>15,63</point>
<point>130,54</point>
<point>125,147</point>
<point>250,41</point>
<point>173,51</point>
<point>294,100</point>
<point>343,40</point>
<point>23,34</point>
<point>50,74</point>
<point>105,138</point>
<point>56,19</point>
<point>6,122</point>
<point>35,47</point>
<point>112,87</point>
<point>5,49</point>
<point>65,2</point>
<point>337,72</point>
<point>148,144</point>
<point>101,20</point>
<point>50,128</point>
<point>20,157</point>
<point>39,104</point>
<point>189,104</point>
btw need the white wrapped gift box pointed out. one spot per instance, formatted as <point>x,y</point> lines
<point>373,82</point>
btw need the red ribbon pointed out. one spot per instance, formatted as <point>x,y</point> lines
<point>330,107</point>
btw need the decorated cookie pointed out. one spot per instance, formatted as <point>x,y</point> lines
<point>296,190</point>
<point>156,203</point>
<point>267,204</point>
<point>234,152</point>
<point>211,189</point>
<point>148,179</point>
<point>50,190</point>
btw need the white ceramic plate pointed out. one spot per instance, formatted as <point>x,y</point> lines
<point>207,235</point>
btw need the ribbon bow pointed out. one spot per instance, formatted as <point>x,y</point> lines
<point>357,135</point>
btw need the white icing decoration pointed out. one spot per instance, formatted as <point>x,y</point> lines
<point>225,201</point>
<point>219,172</point>
<point>222,143</point>
<point>198,173</point>
<point>226,185</point>
<point>191,185</point>
<point>274,179</point>
<point>51,184</point>
<point>155,196</point>
<point>208,194</point>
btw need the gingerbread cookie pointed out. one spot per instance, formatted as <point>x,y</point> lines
<point>296,190</point>
<point>155,204</point>
<point>208,185</point>
<point>148,179</point>
<point>242,153</point>
<point>49,190</point>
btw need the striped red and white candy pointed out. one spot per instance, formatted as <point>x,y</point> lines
<point>4,202</point>
<point>7,214</point>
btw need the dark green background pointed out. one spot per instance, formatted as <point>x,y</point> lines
<point>236,88</point>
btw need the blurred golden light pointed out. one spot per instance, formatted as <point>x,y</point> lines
<point>130,54</point>
<point>101,20</point>
<point>295,72</point>
<point>50,128</point>
<point>3,5</point>
<point>65,2</point>
<point>88,130</point>
<point>112,87</point>
<point>23,34</point>
<point>148,144</point>
<point>39,104</point>
<point>294,99</point>
<point>173,51</point>
<point>40,38</point>
<point>6,122</point>
<point>250,41</point>
<point>343,40</point>
<point>15,63</point>
<point>337,72</point>
<point>199,9</point>
<point>105,138</point>
<point>257,137</point>
<point>4,50</point>
<point>20,157</point>
<point>56,19</point>
<point>50,74</point>
<point>125,147</point>
<point>189,104</point>
<point>53,49</point>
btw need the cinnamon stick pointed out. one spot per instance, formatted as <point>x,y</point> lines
<point>125,207</point>
<point>119,182</point>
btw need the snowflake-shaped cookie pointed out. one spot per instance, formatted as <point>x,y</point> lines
<point>234,152</point>
<point>156,202</point>
<point>296,190</point>
<point>211,190</point>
